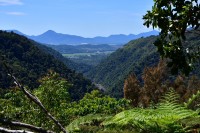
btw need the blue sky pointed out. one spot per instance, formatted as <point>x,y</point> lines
<point>86,18</point>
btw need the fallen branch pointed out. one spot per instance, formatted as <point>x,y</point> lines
<point>24,125</point>
<point>32,97</point>
<point>5,130</point>
<point>38,102</point>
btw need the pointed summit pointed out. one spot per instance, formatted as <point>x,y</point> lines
<point>50,32</point>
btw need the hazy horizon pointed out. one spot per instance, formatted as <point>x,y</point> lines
<point>76,17</point>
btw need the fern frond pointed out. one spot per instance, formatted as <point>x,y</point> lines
<point>86,120</point>
<point>165,116</point>
<point>192,100</point>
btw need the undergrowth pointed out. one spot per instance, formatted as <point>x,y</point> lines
<point>168,116</point>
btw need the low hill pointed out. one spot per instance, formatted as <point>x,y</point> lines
<point>29,62</point>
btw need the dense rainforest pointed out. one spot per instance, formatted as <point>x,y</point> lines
<point>40,93</point>
<point>70,98</point>
<point>29,62</point>
<point>132,58</point>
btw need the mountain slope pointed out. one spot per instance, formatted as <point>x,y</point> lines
<point>78,67</point>
<point>29,63</point>
<point>51,37</point>
<point>133,58</point>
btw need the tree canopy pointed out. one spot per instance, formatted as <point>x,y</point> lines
<point>174,18</point>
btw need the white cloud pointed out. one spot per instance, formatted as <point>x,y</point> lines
<point>10,2</point>
<point>16,13</point>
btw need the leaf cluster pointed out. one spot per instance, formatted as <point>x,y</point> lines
<point>173,18</point>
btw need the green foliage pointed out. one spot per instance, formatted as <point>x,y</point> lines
<point>162,119</point>
<point>95,112</point>
<point>30,61</point>
<point>132,58</point>
<point>168,117</point>
<point>192,124</point>
<point>10,100</point>
<point>89,120</point>
<point>173,18</point>
<point>96,103</point>
<point>193,102</point>
<point>53,93</point>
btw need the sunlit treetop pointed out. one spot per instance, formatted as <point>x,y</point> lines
<point>174,18</point>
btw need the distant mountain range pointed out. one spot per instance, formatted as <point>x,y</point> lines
<point>52,37</point>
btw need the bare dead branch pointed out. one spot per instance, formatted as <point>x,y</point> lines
<point>38,102</point>
<point>33,98</point>
<point>5,130</point>
<point>24,125</point>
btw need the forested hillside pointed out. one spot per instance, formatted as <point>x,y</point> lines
<point>29,63</point>
<point>78,67</point>
<point>132,58</point>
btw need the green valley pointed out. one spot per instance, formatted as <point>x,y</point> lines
<point>87,54</point>
<point>91,59</point>
<point>74,81</point>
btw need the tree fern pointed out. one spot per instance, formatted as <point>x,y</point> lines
<point>162,119</point>
<point>88,120</point>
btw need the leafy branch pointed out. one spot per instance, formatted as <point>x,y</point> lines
<point>174,18</point>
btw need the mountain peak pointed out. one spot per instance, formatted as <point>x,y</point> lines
<point>50,32</point>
